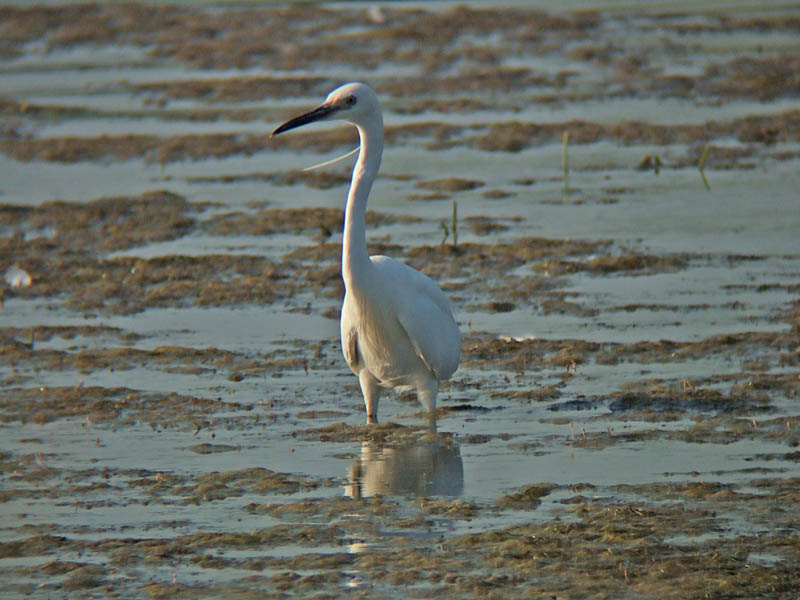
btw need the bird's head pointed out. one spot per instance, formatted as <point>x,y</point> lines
<point>352,102</point>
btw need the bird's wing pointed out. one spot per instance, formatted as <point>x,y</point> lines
<point>349,339</point>
<point>425,314</point>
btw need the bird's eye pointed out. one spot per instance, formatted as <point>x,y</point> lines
<point>350,101</point>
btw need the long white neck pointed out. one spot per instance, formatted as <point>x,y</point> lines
<point>356,265</point>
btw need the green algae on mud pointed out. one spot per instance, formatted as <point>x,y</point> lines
<point>383,433</point>
<point>70,261</point>
<point>625,547</point>
<point>108,406</point>
<point>512,136</point>
<point>511,353</point>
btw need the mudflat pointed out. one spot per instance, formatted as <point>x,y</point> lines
<point>607,193</point>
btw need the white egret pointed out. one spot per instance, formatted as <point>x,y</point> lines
<point>397,327</point>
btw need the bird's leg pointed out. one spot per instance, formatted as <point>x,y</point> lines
<point>371,390</point>
<point>426,393</point>
<point>432,422</point>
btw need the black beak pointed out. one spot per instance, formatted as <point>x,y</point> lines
<point>315,115</point>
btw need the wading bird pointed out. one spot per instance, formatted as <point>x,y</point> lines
<point>397,327</point>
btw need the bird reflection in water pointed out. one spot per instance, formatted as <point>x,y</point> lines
<point>431,466</point>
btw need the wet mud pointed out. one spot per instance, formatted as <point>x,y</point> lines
<point>176,419</point>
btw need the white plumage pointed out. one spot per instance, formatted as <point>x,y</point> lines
<point>398,329</point>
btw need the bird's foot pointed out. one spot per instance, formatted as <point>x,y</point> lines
<point>431,422</point>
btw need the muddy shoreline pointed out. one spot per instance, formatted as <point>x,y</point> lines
<point>176,417</point>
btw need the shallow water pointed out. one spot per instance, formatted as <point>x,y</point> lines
<point>177,419</point>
